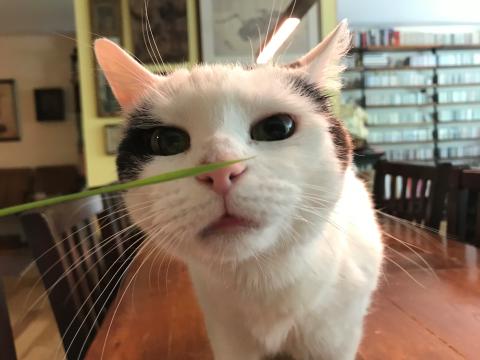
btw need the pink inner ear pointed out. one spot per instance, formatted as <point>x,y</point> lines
<point>127,78</point>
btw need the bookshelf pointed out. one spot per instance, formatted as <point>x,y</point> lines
<point>423,102</point>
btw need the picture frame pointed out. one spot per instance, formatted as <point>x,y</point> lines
<point>50,104</point>
<point>164,39</point>
<point>9,124</point>
<point>106,21</point>
<point>113,136</point>
<point>229,31</point>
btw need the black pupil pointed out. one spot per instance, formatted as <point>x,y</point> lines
<point>169,141</point>
<point>273,128</point>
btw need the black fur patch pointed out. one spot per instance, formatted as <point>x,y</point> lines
<point>133,151</point>
<point>341,137</point>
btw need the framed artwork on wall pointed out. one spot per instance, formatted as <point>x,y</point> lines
<point>164,33</point>
<point>159,27</point>
<point>50,104</point>
<point>9,126</point>
<point>113,136</point>
<point>106,20</point>
<point>232,31</point>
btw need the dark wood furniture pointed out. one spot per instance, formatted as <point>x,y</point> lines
<point>16,186</point>
<point>412,192</point>
<point>56,180</point>
<point>417,313</point>
<point>81,255</point>
<point>464,205</point>
<point>7,345</point>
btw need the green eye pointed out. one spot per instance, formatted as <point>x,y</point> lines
<point>167,141</point>
<point>274,128</point>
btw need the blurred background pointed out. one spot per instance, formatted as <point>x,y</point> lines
<point>411,93</point>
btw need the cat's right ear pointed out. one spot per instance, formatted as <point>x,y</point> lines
<point>127,78</point>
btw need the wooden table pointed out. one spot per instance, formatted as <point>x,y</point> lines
<point>417,313</point>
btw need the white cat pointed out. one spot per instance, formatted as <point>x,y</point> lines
<point>284,250</point>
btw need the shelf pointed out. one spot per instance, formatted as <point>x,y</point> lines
<point>399,87</point>
<point>395,143</point>
<point>459,140</point>
<point>401,125</point>
<point>460,122</point>
<point>461,158</point>
<point>398,106</point>
<point>458,103</point>
<point>415,48</point>
<point>456,85</point>
<point>431,86</point>
<point>413,68</point>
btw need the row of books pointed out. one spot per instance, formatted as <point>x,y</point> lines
<point>458,132</point>
<point>398,37</point>
<point>458,77</point>
<point>399,116</point>
<point>399,135</point>
<point>375,60</point>
<point>409,154</point>
<point>459,113</point>
<point>397,98</point>
<point>459,151</point>
<point>458,95</point>
<point>399,78</point>
<point>458,58</point>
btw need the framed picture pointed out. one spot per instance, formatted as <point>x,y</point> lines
<point>160,27</point>
<point>232,31</point>
<point>50,104</point>
<point>113,136</point>
<point>9,127</point>
<point>106,20</point>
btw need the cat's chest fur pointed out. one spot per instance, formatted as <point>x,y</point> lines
<point>312,288</point>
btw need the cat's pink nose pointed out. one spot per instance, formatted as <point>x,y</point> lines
<point>221,180</point>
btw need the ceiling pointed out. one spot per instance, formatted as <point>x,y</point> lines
<point>36,16</point>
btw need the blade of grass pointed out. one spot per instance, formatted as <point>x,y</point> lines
<point>174,175</point>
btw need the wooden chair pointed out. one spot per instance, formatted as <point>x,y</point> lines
<point>81,249</point>
<point>412,192</point>
<point>464,206</point>
<point>7,345</point>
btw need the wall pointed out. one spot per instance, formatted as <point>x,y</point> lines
<point>409,12</point>
<point>100,166</point>
<point>34,62</point>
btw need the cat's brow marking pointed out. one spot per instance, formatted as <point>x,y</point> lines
<point>340,135</point>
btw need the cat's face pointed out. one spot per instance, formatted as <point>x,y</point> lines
<point>278,116</point>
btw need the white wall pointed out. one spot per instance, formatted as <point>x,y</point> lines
<point>409,12</point>
<point>35,62</point>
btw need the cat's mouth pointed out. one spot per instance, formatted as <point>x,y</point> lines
<point>228,224</point>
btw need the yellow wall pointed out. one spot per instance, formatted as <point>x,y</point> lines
<point>328,14</point>
<point>100,167</point>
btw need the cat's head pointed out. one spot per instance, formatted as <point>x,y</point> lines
<point>280,115</point>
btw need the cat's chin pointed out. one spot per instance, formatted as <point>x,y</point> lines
<point>228,226</point>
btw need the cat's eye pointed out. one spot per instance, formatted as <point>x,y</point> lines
<point>273,128</point>
<point>167,141</point>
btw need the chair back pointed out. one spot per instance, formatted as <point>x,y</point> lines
<point>412,192</point>
<point>80,250</point>
<point>464,205</point>
<point>7,345</point>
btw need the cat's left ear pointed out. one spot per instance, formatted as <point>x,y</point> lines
<point>322,63</point>
<point>128,79</point>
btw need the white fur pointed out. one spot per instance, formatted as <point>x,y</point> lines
<point>300,283</point>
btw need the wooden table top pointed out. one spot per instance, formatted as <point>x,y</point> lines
<point>427,306</point>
